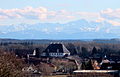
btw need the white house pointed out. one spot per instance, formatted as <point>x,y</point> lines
<point>31,55</point>
<point>56,50</point>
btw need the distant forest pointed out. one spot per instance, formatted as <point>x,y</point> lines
<point>83,48</point>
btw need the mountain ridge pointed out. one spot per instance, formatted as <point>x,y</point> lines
<point>80,29</point>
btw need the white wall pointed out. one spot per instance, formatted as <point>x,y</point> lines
<point>55,54</point>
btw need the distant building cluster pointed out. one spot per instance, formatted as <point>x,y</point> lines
<point>53,50</point>
<point>95,62</point>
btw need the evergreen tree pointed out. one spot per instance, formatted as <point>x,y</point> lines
<point>84,52</point>
<point>94,51</point>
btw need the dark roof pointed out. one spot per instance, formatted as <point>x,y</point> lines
<point>56,48</point>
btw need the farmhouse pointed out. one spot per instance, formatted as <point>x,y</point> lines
<point>56,50</point>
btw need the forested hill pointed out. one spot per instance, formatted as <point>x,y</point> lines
<point>47,41</point>
<point>38,41</point>
<point>82,48</point>
<point>112,41</point>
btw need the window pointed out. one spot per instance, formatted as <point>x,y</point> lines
<point>48,50</point>
<point>57,50</point>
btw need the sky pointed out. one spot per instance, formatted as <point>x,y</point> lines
<point>58,11</point>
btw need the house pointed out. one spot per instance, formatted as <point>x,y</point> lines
<point>55,50</point>
<point>31,55</point>
<point>110,63</point>
<point>31,70</point>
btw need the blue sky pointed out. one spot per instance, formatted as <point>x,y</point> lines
<point>73,5</point>
<point>58,11</point>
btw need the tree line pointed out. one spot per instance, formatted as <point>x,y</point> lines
<point>83,49</point>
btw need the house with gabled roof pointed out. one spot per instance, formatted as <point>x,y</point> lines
<point>56,50</point>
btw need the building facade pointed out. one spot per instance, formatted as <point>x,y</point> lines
<point>56,50</point>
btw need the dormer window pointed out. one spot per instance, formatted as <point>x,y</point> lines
<point>48,50</point>
<point>57,50</point>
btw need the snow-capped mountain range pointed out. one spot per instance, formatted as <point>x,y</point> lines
<point>80,29</point>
